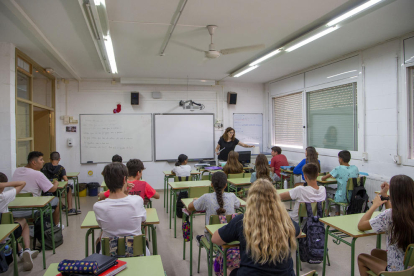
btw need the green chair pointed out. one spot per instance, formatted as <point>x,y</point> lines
<point>182,178</point>
<point>408,262</point>
<point>139,246</point>
<point>311,273</point>
<point>205,177</point>
<point>230,176</point>
<point>349,188</point>
<point>247,175</point>
<point>24,195</point>
<point>7,218</point>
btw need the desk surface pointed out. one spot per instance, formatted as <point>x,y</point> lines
<point>6,230</point>
<point>169,173</point>
<point>327,181</point>
<point>239,181</point>
<point>349,224</point>
<point>214,227</point>
<point>30,202</point>
<point>72,174</point>
<point>146,265</point>
<point>90,219</point>
<point>188,184</point>
<point>62,184</point>
<point>187,201</point>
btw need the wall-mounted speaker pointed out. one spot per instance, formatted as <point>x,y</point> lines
<point>231,97</point>
<point>134,98</point>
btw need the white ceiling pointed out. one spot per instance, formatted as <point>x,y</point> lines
<point>139,27</point>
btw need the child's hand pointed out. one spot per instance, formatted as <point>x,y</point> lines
<point>130,186</point>
<point>384,189</point>
<point>378,202</point>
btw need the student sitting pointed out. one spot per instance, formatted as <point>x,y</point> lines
<point>36,182</point>
<point>311,157</point>
<point>120,214</point>
<point>135,185</point>
<point>181,168</point>
<point>277,161</point>
<point>23,230</point>
<point>233,165</point>
<point>342,173</point>
<point>52,171</point>
<point>308,194</point>
<point>217,203</point>
<point>117,158</point>
<point>397,221</point>
<point>262,169</point>
<point>266,234</point>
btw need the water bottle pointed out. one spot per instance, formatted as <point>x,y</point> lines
<point>285,184</point>
<point>8,254</point>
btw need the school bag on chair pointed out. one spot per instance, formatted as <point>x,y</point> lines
<point>312,246</point>
<point>359,199</point>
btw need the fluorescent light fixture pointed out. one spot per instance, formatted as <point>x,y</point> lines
<point>353,12</point>
<point>251,68</point>
<point>269,55</point>
<point>290,146</point>
<point>99,2</point>
<point>110,53</point>
<point>341,74</point>
<point>167,81</point>
<point>312,38</point>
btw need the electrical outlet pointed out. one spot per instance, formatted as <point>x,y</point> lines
<point>397,159</point>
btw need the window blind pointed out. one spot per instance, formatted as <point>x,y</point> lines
<point>332,117</point>
<point>287,121</point>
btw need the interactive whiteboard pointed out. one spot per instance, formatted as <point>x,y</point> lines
<point>104,135</point>
<point>249,129</point>
<point>190,134</point>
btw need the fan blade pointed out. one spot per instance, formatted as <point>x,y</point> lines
<point>187,46</point>
<point>242,49</point>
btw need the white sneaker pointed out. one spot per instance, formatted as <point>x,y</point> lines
<point>58,225</point>
<point>27,260</point>
<point>34,253</point>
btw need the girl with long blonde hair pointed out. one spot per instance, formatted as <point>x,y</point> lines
<point>233,165</point>
<point>266,233</point>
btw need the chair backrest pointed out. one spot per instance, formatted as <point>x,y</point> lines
<point>407,272</point>
<point>409,256</point>
<point>205,177</point>
<point>182,178</point>
<point>235,175</point>
<point>302,213</point>
<point>359,180</point>
<point>247,175</point>
<point>24,195</point>
<point>7,218</point>
<point>311,273</point>
<point>197,191</point>
<point>214,219</point>
<point>138,247</point>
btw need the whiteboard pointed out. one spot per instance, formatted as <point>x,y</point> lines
<point>189,134</point>
<point>104,135</point>
<point>249,129</point>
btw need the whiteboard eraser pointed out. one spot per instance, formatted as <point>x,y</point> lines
<point>89,162</point>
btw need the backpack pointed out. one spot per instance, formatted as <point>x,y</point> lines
<point>47,232</point>
<point>233,254</point>
<point>180,205</point>
<point>359,198</point>
<point>312,246</point>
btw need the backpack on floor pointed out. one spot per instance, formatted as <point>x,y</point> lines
<point>312,246</point>
<point>180,205</point>
<point>47,232</point>
<point>233,254</point>
<point>359,199</point>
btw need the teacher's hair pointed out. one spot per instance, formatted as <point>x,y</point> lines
<point>226,136</point>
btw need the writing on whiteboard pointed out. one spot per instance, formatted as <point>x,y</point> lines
<point>249,129</point>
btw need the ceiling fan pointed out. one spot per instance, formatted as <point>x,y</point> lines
<point>212,53</point>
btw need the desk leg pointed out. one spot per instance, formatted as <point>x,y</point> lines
<point>51,227</point>
<point>60,208</point>
<point>76,192</point>
<point>13,244</point>
<point>171,192</point>
<point>210,259</point>
<point>93,241</point>
<point>379,241</point>
<point>325,249</point>
<point>164,190</point>
<point>353,256</point>
<point>154,240</point>
<point>174,211</point>
<point>77,185</point>
<point>42,231</point>
<point>90,231</point>
<point>67,207</point>
<point>167,194</point>
<point>191,244</point>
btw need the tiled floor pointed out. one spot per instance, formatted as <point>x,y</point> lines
<point>171,249</point>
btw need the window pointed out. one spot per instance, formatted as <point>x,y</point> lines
<point>411,87</point>
<point>332,117</point>
<point>288,127</point>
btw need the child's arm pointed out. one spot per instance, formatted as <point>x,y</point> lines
<point>54,188</point>
<point>326,176</point>
<point>156,195</point>
<point>285,196</point>
<point>65,178</point>
<point>298,168</point>
<point>18,185</point>
<point>364,224</point>
<point>384,192</point>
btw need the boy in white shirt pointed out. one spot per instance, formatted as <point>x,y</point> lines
<point>308,194</point>
<point>120,214</point>
<point>23,230</point>
<point>181,168</point>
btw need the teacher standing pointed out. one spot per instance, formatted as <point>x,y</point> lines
<point>227,143</point>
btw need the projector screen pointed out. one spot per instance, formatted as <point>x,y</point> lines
<point>190,134</point>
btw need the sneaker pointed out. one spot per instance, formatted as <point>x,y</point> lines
<point>58,225</point>
<point>78,211</point>
<point>63,207</point>
<point>27,260</point>
<point>34,253</point>
<point>198,239</point>
<point>72,212</point>
<point>20,255</point>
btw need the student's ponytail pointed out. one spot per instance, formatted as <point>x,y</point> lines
<point>181,159</point>
<point>219,181</point>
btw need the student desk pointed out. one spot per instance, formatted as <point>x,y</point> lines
<point>61,189</point>
<point>281,191</point>
<point>177,187</point>
<point>346,226</point>
<point>239,181</point>
<point>186,202</point>
<point>74,176</point>
<point>168,174</point>
<point>5,231</point>
<point>41,204</point>
<point>325,182</point>
<point>146,265</point>
<point>91,224</point>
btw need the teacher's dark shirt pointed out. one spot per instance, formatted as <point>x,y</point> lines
<point>229,146</point>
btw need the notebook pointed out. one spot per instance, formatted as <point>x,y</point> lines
<point>104,263</point>
<point>118,267</point>
<point>213,168</point>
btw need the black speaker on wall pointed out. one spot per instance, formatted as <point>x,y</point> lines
<point>231,97</point>
<point>134,98</point>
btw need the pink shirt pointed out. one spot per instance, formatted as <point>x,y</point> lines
<point>36,182</point>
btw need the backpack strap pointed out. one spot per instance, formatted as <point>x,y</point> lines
<point>179,178</point>
<point>319,209</point>
<point>309,209</point>
<point>129,246</point>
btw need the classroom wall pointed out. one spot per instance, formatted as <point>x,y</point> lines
<point>101,97</point>
<point>382,82</point>
<point>7,109</point>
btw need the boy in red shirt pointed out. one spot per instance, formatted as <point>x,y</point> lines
<point>135,185</point>
<point>277,161</point>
